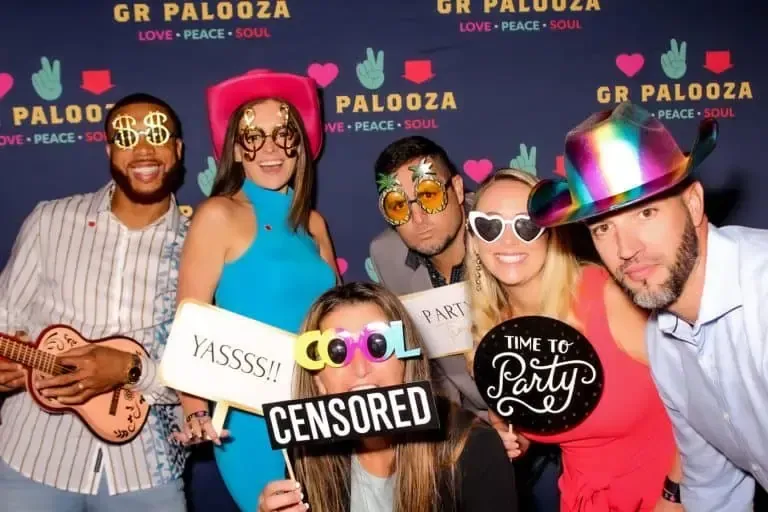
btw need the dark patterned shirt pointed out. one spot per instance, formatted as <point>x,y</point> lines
<point>413,260</point>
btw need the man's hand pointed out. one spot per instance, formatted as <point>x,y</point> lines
<point>12,375</point>
<point>96,370</point>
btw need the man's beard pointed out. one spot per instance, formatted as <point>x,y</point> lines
<point>170,183</point>
<point>438,247</point>
<point>668,293</point>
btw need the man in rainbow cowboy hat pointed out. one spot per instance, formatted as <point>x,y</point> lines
<point>707,336</point>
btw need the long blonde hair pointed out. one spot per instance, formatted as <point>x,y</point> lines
<point>324,470</point>
<point>488,302</point>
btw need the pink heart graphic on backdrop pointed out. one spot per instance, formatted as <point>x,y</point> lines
<point>323,74</point>
<point>630,64</point>
<point>6,82</point>
<point>342,264</point>
<point>478,170</point>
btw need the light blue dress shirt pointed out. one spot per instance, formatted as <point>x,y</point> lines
<point>713,376</point>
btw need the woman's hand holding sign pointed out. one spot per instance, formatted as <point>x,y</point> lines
<point>515,444</point>
<point>283,496</point>
<point>198,428</point>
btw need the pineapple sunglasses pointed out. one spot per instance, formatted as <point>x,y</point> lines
<point>431,194</point>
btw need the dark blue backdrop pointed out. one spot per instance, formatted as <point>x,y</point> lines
<point>481,77</point>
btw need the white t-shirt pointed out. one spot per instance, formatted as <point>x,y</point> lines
<point>370,493</point>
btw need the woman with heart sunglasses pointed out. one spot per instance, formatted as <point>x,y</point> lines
<point>619,457</point>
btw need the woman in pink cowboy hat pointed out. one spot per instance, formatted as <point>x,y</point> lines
<point>256,246</point>
<point>623,456</point>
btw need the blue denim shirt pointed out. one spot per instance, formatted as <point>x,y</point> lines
<point>713,375</point>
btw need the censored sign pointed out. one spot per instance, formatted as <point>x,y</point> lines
<point>353,415</point>
<point>539,374</point>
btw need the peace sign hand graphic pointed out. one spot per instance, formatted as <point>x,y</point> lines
<point>47,81</point>
<point>370,72</point>
<point>205,178</point>
<point>525,161</point>
<point>673,60</point>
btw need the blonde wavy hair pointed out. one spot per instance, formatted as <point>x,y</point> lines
<point>488,302</point>
<point>420,459</point>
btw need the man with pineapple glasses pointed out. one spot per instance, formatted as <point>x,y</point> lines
<point>421,196</point>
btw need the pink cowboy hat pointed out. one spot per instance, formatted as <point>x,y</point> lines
<point>300,91</point>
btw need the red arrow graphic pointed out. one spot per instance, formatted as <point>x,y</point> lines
<point>560,165</point>
<point>418,71</point>
<point>97,81</point>
<point>718,61</point>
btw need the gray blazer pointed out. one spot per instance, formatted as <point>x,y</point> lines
<point>451,378</point>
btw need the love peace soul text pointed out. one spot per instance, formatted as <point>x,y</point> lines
<point>237,359</point>
<point>353,415</point>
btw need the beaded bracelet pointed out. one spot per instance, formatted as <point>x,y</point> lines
<point>671,491</point>
<point>197,414</point>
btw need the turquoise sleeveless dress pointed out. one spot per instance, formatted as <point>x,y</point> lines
<point>275,282</point>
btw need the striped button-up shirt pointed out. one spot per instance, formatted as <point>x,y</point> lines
<point>713,375</point>
<point>75,263</point>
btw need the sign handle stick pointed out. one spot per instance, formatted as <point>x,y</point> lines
<point>219,415</point>
<point>288,464</point>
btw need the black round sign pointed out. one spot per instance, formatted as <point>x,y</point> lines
<point>539,374</point>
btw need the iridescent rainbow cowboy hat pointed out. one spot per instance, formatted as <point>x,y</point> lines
<point>613,159</point>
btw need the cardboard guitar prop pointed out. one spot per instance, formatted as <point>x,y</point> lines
<point>539,374</point>
<point>115,417</point>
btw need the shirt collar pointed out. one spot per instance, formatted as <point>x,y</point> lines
<point>102,200</point>
<point>413,259</point>
<point>721,294</point>
<point>102,203</point>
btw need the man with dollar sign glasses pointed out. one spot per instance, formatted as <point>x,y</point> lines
<point>104,263</point>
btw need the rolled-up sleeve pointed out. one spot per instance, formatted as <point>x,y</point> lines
<point>151,386</point>
<point>20,279</point>
<point>711,483</point>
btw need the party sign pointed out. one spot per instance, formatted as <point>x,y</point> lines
<point>442,318</point>
<point>539,374</point>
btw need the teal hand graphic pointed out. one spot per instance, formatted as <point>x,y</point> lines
<point>370,72</point>
<point>205,178</point>
<point>371,271</point>
<point>673,61</point>
<point>525,161</point>
<point>47,81</point>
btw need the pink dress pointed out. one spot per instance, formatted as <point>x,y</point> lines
<point>615,460</point>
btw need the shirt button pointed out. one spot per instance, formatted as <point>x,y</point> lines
<point>727,418</point>
<point>755,468</point>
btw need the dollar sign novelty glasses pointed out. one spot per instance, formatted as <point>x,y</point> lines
<point>285,136</point>
<point>377,342</point>
<point>489,228</point>
<point>431,194</point>
<point>127,137</point>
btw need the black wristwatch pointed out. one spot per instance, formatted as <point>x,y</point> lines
<point>671,491</point>
<point>134,372</point>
